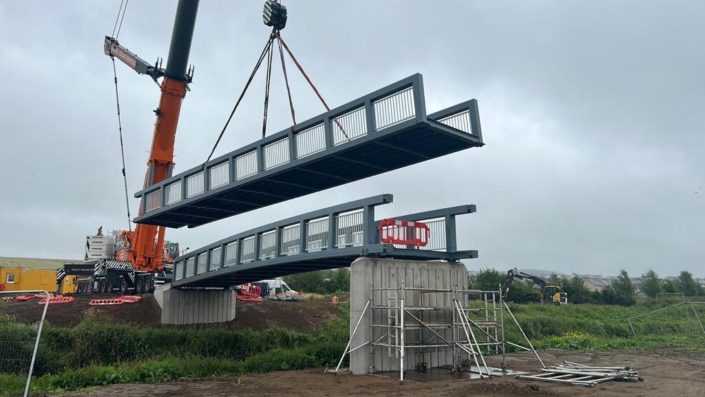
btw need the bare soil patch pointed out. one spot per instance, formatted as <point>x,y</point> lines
<point>665,371</point>
<point>299,316</point>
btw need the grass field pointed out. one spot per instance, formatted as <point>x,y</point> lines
<point>35,263</point>
<point>143,354</point>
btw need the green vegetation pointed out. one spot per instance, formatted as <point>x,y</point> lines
<point>99,352</point>
<point>684,283</point>
<point>321,281</point>
<point>606,325</point>
<point>620,291</point>
<point>32,263</point>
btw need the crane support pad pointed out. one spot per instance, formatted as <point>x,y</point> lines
<point>380,132</point>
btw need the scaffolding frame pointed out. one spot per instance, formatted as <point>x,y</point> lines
<point>453,329</point>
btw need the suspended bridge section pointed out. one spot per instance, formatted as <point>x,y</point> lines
<point>380,132</point>
<point>329,238</point>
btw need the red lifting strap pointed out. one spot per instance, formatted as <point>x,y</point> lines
<point>393,231</point>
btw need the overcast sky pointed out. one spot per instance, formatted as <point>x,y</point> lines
<point>591,113</point>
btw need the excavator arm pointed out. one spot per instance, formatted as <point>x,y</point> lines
<point>512,274</point>
<point>549,293</point>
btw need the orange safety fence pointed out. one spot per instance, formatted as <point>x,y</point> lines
<point>249,293</point>
<point>393,231</point>
<point>57,299</point>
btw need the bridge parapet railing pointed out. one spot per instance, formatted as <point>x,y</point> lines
<point>399,103</point>
<point>346,225</point>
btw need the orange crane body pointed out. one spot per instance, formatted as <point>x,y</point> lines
<point>146,253</point>
<point>146,243</point>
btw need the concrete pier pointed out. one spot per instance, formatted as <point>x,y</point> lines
<point>369,276</point>
<point>197,306</point>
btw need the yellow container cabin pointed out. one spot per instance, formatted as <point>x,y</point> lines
<point>19,279</point>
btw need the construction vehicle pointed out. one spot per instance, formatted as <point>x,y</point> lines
<point>105,268</point>
<point>552,294</point>
<point>277,289</point>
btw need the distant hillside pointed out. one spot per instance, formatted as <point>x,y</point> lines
<point>35,263</point>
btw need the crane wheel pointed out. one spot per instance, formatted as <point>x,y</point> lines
<point>123,286</point>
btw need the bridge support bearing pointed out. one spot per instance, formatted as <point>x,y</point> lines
<point>197,306</point>
<point>426,289</point>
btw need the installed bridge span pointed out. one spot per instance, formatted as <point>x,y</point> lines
<point>380,132</point>
<point>328,238</point>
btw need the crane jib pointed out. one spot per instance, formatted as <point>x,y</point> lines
<point>123,56</point>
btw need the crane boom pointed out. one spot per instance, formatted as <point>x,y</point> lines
<point>146,241</point>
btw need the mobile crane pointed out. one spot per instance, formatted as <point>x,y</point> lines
<point>137,258</point>
<point>144,245</point>
<point>549,293</point>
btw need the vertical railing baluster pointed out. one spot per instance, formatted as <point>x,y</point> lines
<point>370,117</point>
<point>451,240</point>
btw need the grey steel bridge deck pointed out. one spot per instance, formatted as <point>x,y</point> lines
<point>386,130</point>
<point>325,239</point>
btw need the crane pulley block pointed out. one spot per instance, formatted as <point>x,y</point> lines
<point>274,14</point>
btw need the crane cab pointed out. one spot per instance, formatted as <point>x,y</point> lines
<point>553,294</point>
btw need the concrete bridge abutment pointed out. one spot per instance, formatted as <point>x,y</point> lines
<point>380,282</point>
<point>197,306</point>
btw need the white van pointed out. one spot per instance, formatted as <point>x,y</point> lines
<point>277,289</point>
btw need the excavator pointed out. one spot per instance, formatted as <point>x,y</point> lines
<point>551,294</point>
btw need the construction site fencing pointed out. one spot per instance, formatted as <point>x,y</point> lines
<point>20,335</point>
<point>684,317</point>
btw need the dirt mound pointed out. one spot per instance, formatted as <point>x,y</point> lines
<point>299,316</point>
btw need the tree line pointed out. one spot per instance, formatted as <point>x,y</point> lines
<point>320,281</point>
<point>651,285</point>
<point>620,291</point>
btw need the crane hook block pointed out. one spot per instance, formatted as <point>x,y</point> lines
<point>274,14</point>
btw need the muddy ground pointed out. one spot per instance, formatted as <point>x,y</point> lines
<point>300,316</point>
<point>666,372</point>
